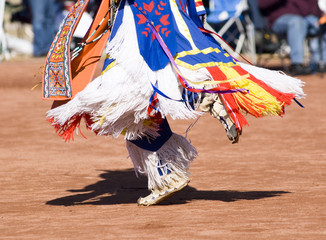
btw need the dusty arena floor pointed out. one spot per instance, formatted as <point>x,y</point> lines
<point>271,185</point>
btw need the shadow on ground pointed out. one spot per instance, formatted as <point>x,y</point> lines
<point>123,187</point>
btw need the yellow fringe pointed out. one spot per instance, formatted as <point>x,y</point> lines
<point>261,101</point>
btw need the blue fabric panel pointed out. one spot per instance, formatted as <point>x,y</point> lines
<point>206,58</point>
<point>154,144</point>
<point>159,13</point>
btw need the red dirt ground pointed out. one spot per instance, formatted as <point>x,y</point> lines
<point>271,185</point>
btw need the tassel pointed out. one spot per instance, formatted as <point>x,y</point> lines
<point>67,129</point>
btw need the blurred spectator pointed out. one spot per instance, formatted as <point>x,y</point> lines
<point>258,20</point>
<point>263,35</point>
<point>46,17</point>
<point>59,13</point>
<point>296,19</point>
<point>64,7</point>
<point>43,22</point>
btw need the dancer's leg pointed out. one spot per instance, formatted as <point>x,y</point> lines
<point>164,160</point>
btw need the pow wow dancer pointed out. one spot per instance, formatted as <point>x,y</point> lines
<point>160,62</point>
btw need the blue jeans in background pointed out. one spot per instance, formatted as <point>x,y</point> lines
<point>297,29</point>
<point>43,22</point>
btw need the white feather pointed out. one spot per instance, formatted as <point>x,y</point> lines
<point>276,79</point>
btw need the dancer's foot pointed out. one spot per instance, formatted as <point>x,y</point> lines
<point>211,103</point>
<point>218,111</point>
<point>175,184</point>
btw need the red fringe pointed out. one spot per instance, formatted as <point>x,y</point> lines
<point>67,129</point>
<point>248,106</point>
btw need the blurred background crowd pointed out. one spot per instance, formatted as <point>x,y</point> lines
<point>284,29</point>
<point>29,26</point>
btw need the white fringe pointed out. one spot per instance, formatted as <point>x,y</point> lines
<point>125,50</point>
<point>118,99</point>
<point>177,153</point>
<point>276,79</point>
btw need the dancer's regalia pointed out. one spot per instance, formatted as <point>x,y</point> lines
<point>160,61</point>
